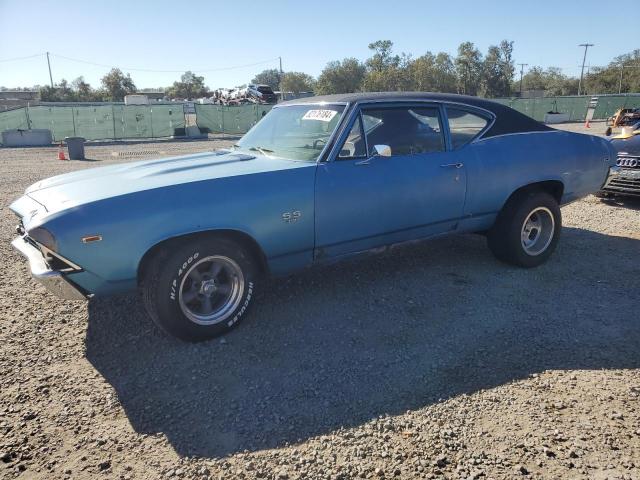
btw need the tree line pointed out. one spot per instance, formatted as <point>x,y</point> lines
<point>470,72</point>
<point>115,85</point>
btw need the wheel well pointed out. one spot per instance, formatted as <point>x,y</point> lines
<point>234,235</point>
<point>555,188</point>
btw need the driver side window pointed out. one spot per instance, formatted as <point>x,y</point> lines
<point>354,145</point>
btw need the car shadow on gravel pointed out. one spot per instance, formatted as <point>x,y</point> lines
<point>632,203</point>
<point>339,345</point>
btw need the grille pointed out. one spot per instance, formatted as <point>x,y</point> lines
<point>624,185</point>
<point>628,162</point>
<point>625,182</point>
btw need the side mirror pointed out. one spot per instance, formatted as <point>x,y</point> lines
<point>382,150</point>
<point>608,132</point>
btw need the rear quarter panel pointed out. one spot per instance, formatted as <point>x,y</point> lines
<point>498,166</point>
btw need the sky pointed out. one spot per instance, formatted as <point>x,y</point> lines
<point>229,42</point>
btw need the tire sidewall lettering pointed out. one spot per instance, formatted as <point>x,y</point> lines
<point>182,269</point>
<point>244,306</point>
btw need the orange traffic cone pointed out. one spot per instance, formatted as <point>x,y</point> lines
<point>587,124</point>
<point>61,153</point>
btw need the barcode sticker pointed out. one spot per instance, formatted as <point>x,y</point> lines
<point>322,115</point>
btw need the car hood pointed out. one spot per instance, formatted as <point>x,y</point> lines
<point>629,146</point>
<point>72,189</point>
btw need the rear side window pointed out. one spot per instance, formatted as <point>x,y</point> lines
<point>464,126</point>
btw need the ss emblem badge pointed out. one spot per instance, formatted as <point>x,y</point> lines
<point>291,217</point>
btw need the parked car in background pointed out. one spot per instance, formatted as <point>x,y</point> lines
<point>266,93</point>
<point>624,177</point>
<point>316,180</point>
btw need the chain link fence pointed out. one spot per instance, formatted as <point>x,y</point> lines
<point>575,106</point>
<point>229,119</point>
<point>97,122</point>
<point>121,122</point>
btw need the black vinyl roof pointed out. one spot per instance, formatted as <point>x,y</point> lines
<point>507,121</point>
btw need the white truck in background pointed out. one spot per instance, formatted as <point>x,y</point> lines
<point>136,99</point>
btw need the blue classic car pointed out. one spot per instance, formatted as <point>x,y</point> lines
<point>316,180</point>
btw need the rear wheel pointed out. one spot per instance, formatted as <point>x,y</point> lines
<point>527,229</point>
<point>201,289</point>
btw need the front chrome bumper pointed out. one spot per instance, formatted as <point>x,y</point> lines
<point>53,280</point>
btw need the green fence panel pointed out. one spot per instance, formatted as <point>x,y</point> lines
<point>98,122</point>
<point>60,120</point>
<point>536,108</point>
<point>632,101</point>
<point>132,121</point>
<point>608,105</point>
<point>504,101</point>
<point>165,119</point>
<point>576,107</point>
<point>94,122</point>
<point>14,119</point>
<point>230,119</point>
<point>261,111</point>
<point>236,119</point>
<point>210,116</point>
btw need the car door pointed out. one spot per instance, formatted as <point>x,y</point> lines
<point>365,200</point>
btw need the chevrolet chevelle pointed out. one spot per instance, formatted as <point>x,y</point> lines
<point>315,180</point>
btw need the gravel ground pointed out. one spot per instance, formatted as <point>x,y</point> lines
<point>429,361</point>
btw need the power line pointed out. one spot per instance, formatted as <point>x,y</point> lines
<point>196,70</point>
<point>14,59</point>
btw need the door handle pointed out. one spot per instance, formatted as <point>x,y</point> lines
<point>452,165</point>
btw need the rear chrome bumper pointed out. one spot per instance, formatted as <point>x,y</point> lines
<point>53,280</point>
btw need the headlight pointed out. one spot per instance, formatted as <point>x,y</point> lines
<point>43,237</point>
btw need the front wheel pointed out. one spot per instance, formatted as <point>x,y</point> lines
<point>527,230</point>
<point>200,290</point>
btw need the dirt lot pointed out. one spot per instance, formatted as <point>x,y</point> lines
<point>431,361</point>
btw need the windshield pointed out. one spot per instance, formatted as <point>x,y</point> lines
<point>296,132</point>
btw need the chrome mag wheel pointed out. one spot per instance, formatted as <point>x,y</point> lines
<point>537,231</point>
<point>211,290</point>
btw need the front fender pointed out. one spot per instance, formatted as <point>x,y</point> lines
<point>130,225</point>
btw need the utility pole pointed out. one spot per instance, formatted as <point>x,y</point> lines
<point>49,64</point>
<point>522,65</point>
<point>620,82</point>
<point>282,94</point>
<point>584,59</point>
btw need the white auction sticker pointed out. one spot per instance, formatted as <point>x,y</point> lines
<point>322,115</point>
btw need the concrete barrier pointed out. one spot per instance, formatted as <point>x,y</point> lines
<point>27,138</point>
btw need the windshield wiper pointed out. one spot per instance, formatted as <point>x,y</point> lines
<point>263,151</point>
